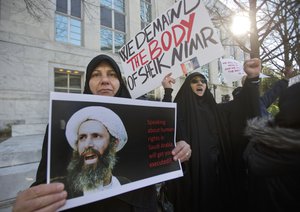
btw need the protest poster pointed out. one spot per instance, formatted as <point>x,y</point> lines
<point>232,70</point>
<point>145,131</point>
<point>178,41</point>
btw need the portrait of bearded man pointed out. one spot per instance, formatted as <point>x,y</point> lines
<point>96,134</point>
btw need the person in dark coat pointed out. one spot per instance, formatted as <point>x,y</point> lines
<point>208,184</point>
<point>235,125</point>
<point>103,77</point>
<point>273,157</point>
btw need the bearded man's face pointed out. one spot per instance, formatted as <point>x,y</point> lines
<point>92,164</point>
<point>92,135</point>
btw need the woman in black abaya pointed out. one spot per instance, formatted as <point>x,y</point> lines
<point>201,125</point>
<point>103,77</point>
<point>143,199</point>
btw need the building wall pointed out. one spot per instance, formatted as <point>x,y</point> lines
<point>29,54</point>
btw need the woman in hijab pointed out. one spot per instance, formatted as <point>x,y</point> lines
<point>114,87</point>
<point>207,184</point>
<point>103,77</point>
<point>273,157</point>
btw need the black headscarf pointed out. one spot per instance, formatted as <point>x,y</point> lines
<point>122,92</point>
<point>188,104</point>
<point>204,186</point>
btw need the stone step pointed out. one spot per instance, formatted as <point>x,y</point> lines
<point>14,179</point>
<point>6,206</point>
<point>27,129</point>
<point>19,159</point>
<point>21,150</point>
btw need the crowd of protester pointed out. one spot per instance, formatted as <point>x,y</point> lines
<point>233,157</point>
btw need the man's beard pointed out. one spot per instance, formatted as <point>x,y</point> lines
<point>87,177</point>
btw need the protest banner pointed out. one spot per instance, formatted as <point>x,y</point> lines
<point>232,70</point>
<point>178,41</point>
<point>145,131</point>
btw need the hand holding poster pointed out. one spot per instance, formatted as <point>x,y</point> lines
<point>184,32</point>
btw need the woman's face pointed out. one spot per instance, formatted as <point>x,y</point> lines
<point>198,85</point>
<point>104,80</point>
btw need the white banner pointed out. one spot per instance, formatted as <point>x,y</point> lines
<point>232,70</point>
<point>178,41</point>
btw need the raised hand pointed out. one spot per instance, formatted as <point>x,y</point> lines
<point>168,81</point>
<point>252,67</point>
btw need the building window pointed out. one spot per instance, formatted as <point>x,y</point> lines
<point>68,21</point>
<point>112,25</point>
<point>145,13</point>
<point>68,81</point>
<point>146,18</point>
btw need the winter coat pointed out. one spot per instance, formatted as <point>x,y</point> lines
<point>273,161</point>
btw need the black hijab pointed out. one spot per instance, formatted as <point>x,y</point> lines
<point>188,104</point>
<point>122,92</point>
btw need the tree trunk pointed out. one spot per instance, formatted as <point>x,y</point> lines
<point>254,42</point>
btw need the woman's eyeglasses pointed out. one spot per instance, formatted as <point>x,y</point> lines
<point>195,81</point>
